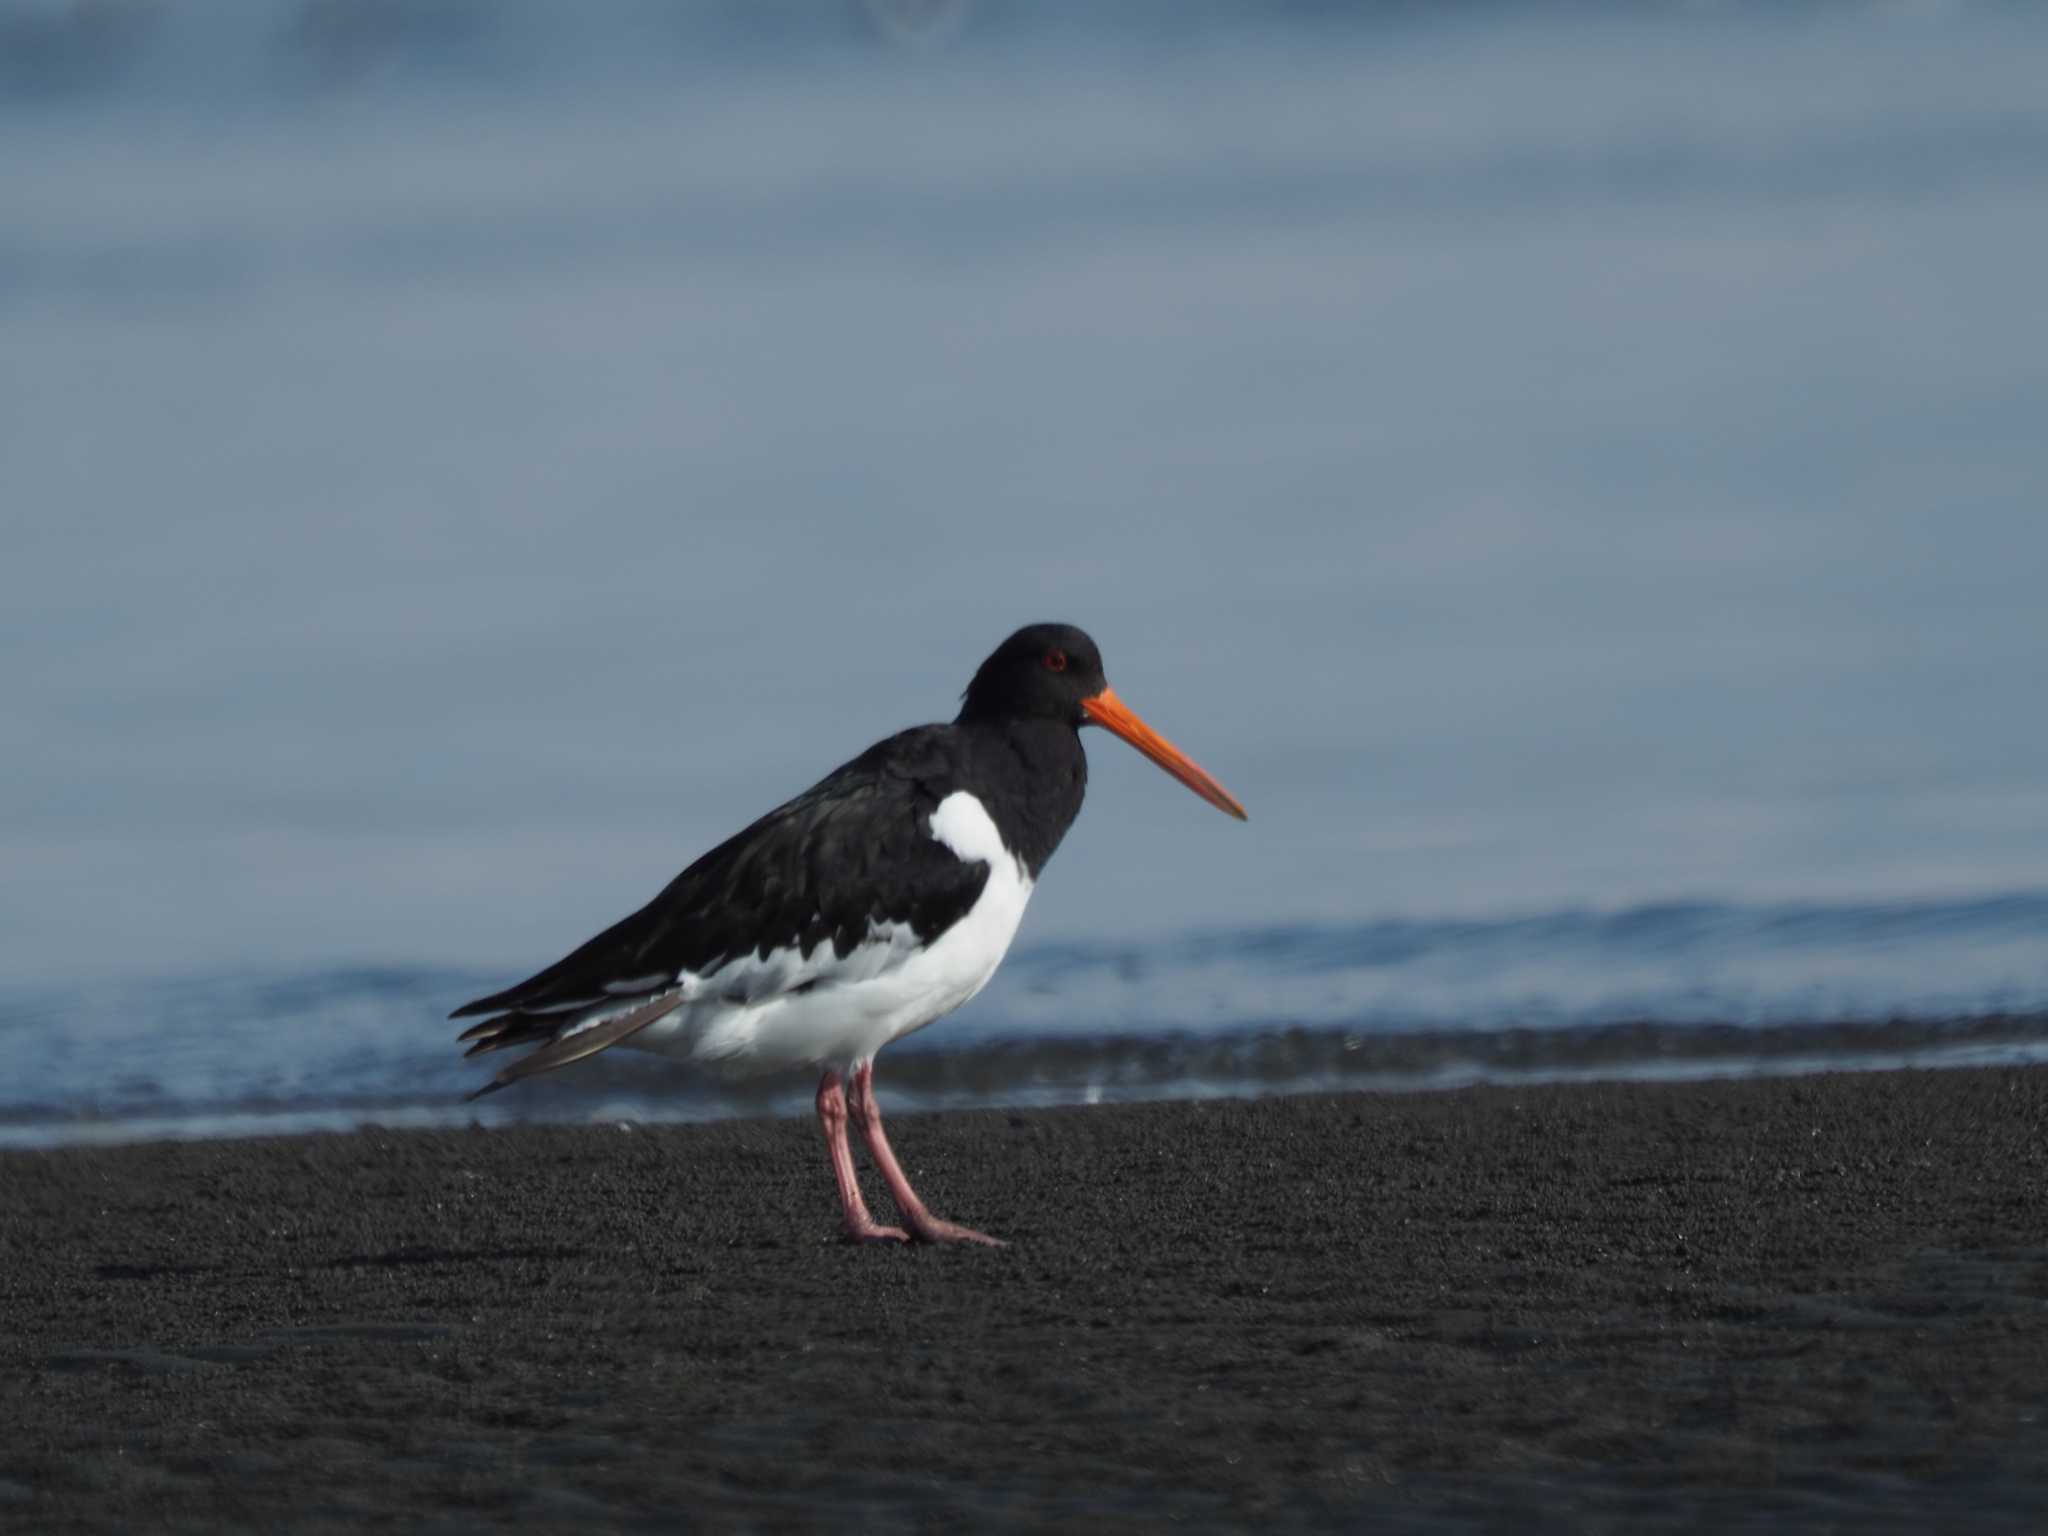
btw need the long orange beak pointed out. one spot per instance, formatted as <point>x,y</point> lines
<point>1112,713</point>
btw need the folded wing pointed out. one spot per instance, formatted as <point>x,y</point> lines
<point>793,902</point>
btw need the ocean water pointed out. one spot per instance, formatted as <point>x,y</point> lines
<point>1576,474</point>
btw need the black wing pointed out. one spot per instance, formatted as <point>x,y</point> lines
<point>855,849</point>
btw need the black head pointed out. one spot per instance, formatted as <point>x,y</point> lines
<point>1054,672</point>
<point>1042,672</point>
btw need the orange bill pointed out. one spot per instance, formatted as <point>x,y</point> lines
<point>1111,713</point>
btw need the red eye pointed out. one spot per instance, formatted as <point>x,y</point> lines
<point>1055,661</point>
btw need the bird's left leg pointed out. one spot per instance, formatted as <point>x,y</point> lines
<point>862,1109</point>
<point>855,1221</point>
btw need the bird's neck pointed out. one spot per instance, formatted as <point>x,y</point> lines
<point>1030,776</point>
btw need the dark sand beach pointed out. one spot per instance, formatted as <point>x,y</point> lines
<point>1812,1303</point>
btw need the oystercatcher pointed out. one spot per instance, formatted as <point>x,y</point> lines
<point>875,902</point>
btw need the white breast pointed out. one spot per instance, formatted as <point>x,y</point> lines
<point>857,1003</point>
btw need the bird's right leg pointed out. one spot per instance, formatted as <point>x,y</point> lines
<point>928,1228</point>
<point>859,1226</point>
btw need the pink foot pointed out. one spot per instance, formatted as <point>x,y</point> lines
<point>930,1229</point>
<point>873,1232</point>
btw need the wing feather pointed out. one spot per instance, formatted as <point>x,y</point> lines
<point>580,1043</point>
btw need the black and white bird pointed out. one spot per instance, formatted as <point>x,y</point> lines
<point>879,900</point>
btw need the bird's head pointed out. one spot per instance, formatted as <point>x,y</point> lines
<point>1054,672</point>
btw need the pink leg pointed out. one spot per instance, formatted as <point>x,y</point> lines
<point>924,1226</point>
<point>860,1226</point>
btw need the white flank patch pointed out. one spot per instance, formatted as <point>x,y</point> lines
<point>748,1014</point>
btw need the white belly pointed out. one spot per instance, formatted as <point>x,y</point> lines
<point>857,1003</point>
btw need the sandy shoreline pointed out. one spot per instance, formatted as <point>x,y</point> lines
<point>1812,1302</point>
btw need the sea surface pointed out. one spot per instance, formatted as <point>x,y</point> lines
<point>1576,473</point>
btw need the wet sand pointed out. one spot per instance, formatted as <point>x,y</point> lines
<point>1815,1303</point>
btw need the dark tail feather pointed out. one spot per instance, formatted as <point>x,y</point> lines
<point>585,1042</point>
<point>509,1029</point>
<point>506,1031</point>
<point>497,1002</point>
